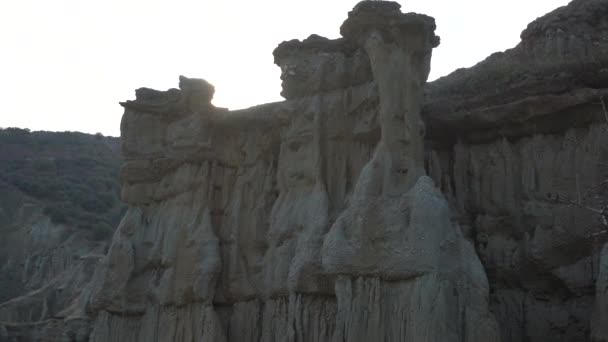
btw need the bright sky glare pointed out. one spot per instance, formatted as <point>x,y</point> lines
<point>65,64</point>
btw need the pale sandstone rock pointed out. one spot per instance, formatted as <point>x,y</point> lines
<point>312,220</point>
<point>276,188</point>
<point>405,271</point>
<point>246,212</point>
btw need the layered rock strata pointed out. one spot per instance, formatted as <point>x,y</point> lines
<point>282,223</point>
<point>336,216</point>
<point>404,271</point>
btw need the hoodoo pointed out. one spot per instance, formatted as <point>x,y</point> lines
<point>369,205</point>
<point>311,220</point>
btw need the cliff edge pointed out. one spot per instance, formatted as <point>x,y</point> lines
<point>371,205</point>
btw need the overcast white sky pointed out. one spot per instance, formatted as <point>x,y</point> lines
<point>65,64</point>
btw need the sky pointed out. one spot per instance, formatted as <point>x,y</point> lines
<point>65,64</point>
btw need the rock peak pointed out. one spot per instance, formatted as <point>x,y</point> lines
<point>386,17</point>
<point>378,7</point>
<point>197,87</point>
<point>333,216</point>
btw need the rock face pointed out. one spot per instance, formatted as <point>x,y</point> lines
<point>370,205</point>
<point>404,271</point>
<point>51,271</point>
<point>507,132</point>
<point>309,220</point>
<point>560,63</point>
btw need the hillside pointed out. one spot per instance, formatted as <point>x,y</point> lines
<point>73,176</point>
<point>59,205</point>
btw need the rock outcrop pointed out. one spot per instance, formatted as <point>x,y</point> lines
<point>309,220</point>
<point>370,205</point>
<point>46,273</point>
<point>404,271</point>
<point>520,125</point>
<point>560,63</point>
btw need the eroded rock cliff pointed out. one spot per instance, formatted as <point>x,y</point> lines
<point>523,124</point>
<point>59,201</point>
<point>308,220</point>
<point>370,205</point>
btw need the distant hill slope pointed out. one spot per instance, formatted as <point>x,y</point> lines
<point>59,206</point>
<point>72,176</point>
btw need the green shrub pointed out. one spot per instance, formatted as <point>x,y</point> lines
<point>74,175</point>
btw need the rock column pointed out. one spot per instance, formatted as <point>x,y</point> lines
<point>403,271</point>
<point>399,48</point>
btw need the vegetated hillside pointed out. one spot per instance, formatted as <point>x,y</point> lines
<point>73,176</point>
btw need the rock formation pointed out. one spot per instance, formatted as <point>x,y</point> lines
<point>283,223</point>
<point>370,205</point>
<point>404,271</point>
<point>53,270</point>
<point>314,219</point>
<point>507,132</point>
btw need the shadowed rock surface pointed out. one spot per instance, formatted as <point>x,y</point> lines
<point>287,223</point>
<point>370,205</point>
<point>304,217</point>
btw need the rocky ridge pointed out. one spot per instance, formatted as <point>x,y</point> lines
<point>286,225</point>
<point>345,235</point>
<point>370,205</point>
